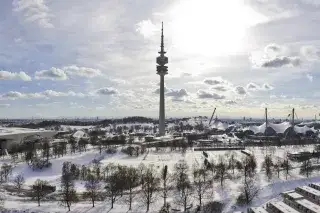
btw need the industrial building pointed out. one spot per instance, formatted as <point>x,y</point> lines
<point>10,136</point>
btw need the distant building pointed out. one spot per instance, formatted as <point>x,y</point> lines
<point>10,136</point>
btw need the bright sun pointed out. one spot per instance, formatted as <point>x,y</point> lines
<point>211,27</point>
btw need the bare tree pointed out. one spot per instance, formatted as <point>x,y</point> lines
<point>7,170</point>
<point>221,171</point>
<point>232,162</point>
<point>114,187</point>
<point>249,191</point>
<point>68,192</point>
<point>267,164</point>
<point>132,180</point>
<point>100,146</point>
<point>38,190</point>
<point>2,200</point>
<point>183,185</point>
<point>92,186</point>
<point>277,167</point>
<point>46,150</point>
<point>201,184</point>
<point>73,144</point>
<point>306,167</point>
<point>18,182</point>
<point>150,184</point>
<point>164,180</point>
<point>248,166</point>
<point>106,171</point>
<point>286,165</point>
<point>211,166</point>
<point>317,152</point>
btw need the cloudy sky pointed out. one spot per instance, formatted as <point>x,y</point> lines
<point>97,58</point>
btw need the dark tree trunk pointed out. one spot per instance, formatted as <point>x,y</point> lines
<point>130,199</point>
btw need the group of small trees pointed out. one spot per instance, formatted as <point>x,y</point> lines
<point>68,192</point>
<point>249,189</point>
<point>5,172</point>
<point>144,181</point>
<point>115,181</point>
<point>269,166</point>
<point>133,150</point>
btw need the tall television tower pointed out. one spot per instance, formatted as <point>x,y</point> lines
<point>162,70</point>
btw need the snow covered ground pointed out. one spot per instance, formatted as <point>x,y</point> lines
<point>226,194</point>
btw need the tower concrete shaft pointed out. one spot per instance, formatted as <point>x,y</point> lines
<point>162,70</point>
<point>162,108</point>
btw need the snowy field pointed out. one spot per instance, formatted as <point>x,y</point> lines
<point>227,194</point>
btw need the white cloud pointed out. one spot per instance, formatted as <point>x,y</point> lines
<point>221,88</point>
<point>252,86</point>
<point>157,91</point>
<point>281,61</point>
<point>273,48</point>
<point>5,75</point>
<point>177,93</point>
<point>267,87</point>
<point>230,102</point>
<point>65,72</point>
<point>81,71</point>
<point>45,94</point>
<point>34,11</point>
<point>215,81</point>
<point>310,52</point>
<point>13,95</point>
<point>255,87</point>
<point>240,90</point>
<point>52,74</point>
<point>107,91</point>
<point>4,105</point>
<point>202,94</point>
<point>183,99</point>
<point>309,77</point>
<point>147,28</point>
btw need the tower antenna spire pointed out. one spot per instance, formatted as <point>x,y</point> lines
<point>162,43</point>
<point>162,52</point>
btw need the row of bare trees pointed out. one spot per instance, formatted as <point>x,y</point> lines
<point>285,166</point>
<point>145,183</point>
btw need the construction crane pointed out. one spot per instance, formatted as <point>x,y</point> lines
<point>212,115</point>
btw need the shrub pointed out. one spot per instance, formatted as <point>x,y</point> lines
<point>40,164</point>
<point>241,199</point>
<point>111,150</point>
<point>213,207</point>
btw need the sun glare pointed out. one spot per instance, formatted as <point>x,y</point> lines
<point>211,27</point>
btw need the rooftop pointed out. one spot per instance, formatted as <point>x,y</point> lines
<point>310,190</point>
<point>258,210</point>
<point>283,207</point>
<point>309,205</point>
<point>316,184</point>
<point>4,131</point>
<point>294,195</point>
